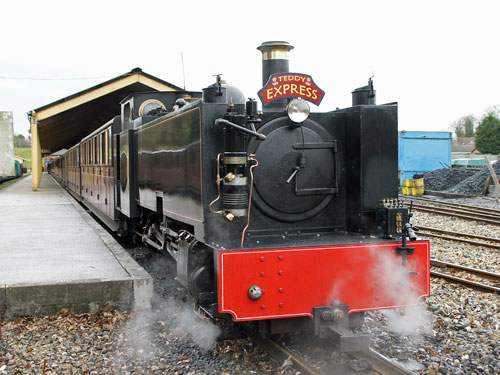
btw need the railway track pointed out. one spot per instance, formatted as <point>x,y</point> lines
<point>470,212</point>
<point>467,207</point>
<point>493,219</point>
<point>495,277</point>
<point>366,361</point>
<point>493,243</point>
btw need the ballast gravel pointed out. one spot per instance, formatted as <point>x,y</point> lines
<point>171,338</point>
<point>455,331</point>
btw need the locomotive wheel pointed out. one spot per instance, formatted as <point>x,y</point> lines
<point>201,280</point>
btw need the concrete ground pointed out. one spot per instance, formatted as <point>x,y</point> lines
<point>53,255</point>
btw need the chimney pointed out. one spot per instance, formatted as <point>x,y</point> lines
<point>274,60</point>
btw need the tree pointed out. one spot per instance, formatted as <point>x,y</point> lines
<point>488,135</point>
<point>20,141</point>
<point>493,110</point>
<point>464,126</point>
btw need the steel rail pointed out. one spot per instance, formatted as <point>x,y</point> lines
<point>473,284</point>
<point>447,213</point>
<point>449,205</point>
<point>459,211</point>
<point>486,274</point>
<point>458,205</point>
<point>280,353</point>
<point>367,360</point>
<point>476,243</point>
<point>380,363</point>
<point>492,239</point>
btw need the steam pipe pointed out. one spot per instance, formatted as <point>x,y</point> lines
<point>259,136</point>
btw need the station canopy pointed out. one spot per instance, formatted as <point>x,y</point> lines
<point>63,123</point>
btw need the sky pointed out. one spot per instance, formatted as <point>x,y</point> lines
<point>438,59</point>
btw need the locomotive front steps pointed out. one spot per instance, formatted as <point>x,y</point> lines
<point>53,255</point>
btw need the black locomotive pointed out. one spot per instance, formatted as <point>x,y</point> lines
<point>283,217</point>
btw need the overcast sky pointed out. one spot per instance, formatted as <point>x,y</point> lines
<point>438,59</point>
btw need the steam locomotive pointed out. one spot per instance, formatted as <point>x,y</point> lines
<point>284,218</point>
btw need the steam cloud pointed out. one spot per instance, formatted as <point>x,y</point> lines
<point>409,320</point>
<point>170,320</point>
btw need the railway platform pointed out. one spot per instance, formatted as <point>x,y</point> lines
<point>53,255</point>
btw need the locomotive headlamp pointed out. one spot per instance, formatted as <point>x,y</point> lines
<point>298,110</point>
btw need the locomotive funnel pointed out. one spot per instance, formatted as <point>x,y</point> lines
<point>274,60</point>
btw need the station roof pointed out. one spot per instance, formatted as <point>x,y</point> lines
<point>63,123</point>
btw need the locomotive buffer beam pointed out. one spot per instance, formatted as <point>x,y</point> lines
<point>331,322</point>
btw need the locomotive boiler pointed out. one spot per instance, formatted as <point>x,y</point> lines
<point>283,217</point>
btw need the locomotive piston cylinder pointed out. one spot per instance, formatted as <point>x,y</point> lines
<point>235,195</point>
<point>234,181</point>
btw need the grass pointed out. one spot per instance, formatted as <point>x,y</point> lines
<point>24,152</point>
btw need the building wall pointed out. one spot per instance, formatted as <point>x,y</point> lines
<point>7,167</point>
<point>423,151</point>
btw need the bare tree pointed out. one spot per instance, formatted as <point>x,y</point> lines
<point>465,126</point>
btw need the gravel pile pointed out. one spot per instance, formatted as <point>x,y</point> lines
<point>445,178</point>
<point>474,185</point>
<point>459,180</point>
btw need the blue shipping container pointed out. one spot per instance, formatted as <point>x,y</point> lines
<point>421,152</point>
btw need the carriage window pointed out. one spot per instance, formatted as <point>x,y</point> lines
<point>110,152</point>
<point>96,151</point>
<point>127,113</point>
<point>103,148</point>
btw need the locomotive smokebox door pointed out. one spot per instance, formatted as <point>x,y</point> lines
<point>297,176</point>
